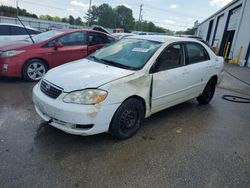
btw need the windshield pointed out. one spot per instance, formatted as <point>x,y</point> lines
<point>46,35</point>
<point>127,53</point>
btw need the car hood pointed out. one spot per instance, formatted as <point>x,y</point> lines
<point>14,45</point>
<point>83,74</point>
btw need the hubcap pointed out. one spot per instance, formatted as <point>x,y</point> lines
<point>36,70</point>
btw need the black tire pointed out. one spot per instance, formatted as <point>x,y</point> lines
<point>34,70</point>
<point>208,92</point>
<point>128,119</point>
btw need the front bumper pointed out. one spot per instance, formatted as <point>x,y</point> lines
<point>66,116</point>
<point>11,67</point>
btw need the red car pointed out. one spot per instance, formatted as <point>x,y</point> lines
<point>50,49</point>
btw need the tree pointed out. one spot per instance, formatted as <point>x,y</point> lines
<point>106,15</point>
<point>92,15</point>
<point>64,20</point>
<point>189,31</point>
<point>46,17</point>
<point>125,17</point>
<point>78,21</point>
<point>11,11</point>
<point>71,20</point>
<point>151,27</point>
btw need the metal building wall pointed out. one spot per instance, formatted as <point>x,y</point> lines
<point>242,38</point>
<point>221,20</point>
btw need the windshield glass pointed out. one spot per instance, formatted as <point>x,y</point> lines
<point>127,53</point>
<point>46,35</point>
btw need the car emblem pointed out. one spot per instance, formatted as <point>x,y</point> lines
<point>47,87</point>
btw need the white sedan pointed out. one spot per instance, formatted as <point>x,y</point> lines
<point>14,32</point>
<point>115,88</point>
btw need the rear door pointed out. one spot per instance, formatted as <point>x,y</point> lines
<point>197,64</point>
<point>4,33</point>
<point>18,33</point>
<point>74,48</point>
<point>96,41</point>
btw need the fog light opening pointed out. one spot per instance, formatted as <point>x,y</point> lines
<point>84,126</point>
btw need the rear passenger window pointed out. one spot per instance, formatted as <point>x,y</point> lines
<point>196,53</point>
<point>4,30</point>
<point>110,40</point>
<point>33,32</point>
<point>17,30</point>
<point>96,38</point>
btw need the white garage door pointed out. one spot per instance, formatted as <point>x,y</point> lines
<point>234,17</point>
<point>219,31</point>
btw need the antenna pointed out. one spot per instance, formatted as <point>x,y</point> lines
<point>26,30</point>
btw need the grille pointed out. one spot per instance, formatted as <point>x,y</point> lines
<point>50,90</point>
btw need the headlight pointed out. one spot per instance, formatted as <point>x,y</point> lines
<point>11,53</point>
<point>87,96</point>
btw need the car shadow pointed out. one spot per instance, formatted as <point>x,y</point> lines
<point>13,80</point>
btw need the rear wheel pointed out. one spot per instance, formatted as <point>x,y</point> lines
<point>128,119</point>
<point>208,92</point>
<point>34,69</point>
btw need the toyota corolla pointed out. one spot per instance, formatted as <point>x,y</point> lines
<point>115,88</point>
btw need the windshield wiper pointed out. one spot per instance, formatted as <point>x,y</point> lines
<point>115,64</point>
<point>95,58</point>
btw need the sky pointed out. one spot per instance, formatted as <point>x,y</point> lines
<point>171,14</point>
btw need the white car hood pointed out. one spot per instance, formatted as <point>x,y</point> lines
<point>83,74</point>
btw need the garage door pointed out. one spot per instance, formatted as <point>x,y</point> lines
<point>219,31</point>
<point>234,17</point>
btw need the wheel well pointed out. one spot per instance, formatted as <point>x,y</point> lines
<point>215,77</point>
<point>140,99</point>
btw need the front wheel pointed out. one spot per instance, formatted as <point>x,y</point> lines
<point>34,70</point>
<point>128,119</point>
<point>208,92</point>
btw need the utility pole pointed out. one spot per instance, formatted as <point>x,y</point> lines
<point>90,2</point>
<point>140,18</point>
<point>17,11</point>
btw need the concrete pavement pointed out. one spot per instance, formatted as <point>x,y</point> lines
<point>185,146</point>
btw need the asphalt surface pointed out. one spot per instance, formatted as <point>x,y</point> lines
<point>185,146</point>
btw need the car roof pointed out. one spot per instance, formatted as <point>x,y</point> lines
<point>163,38</point>
<point>122,34</point>
<point>16,25</point>
<point>76,30</point>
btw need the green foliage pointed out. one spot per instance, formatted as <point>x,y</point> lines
<point>189,31</point>
<point>106,16</point>
<point>78,21</point>
<point>92,15</point>
<point>11,11</point>
<point>125,17</point>
<point>71,20</point>
<point>151,27</point>
<point>120,17</point>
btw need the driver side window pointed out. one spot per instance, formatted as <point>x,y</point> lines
<point>171,57</point>
<point>72,39</point>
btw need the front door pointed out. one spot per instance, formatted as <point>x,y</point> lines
<point>169,78</point>
<point>74,48</point>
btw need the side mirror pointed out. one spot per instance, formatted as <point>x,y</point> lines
<point>58,45</point>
